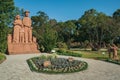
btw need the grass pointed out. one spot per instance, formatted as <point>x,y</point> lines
<point>93,54</point>
<point>2,57</point>
<point>99,55</point>
<point>68,53</point>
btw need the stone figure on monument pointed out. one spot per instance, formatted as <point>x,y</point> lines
<point>27,27</point>
<point>18,41</point>
<point>17,26</point>
<point>22,33</point>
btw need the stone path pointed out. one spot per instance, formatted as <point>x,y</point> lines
<point>16,68</point>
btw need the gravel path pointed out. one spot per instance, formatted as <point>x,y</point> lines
<point>16,68</point>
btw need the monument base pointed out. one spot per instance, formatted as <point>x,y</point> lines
<point>22,48</point>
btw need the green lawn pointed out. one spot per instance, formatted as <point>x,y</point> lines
<point>93,54</point>
<point>100,55</point>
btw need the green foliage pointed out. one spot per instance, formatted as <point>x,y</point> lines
<point>2,57</point>
<point>61,51</point>
<point>58,65</point>
<point>7,14</point>
<point>48,38</point>
<point>51,56</point>
<point>62,45</point>
<point>5,11</point>
<point>68,53</point>
<point>3,38</point>
<point>67,30</point>
<point>43,30</point>
<point>94,27</point>
<point>113,61</point>
<point>43,57</point>
<point>5,20</point>
<point>97,27</point>
<point>40,19</point>
<point>92,54</point>
<point>116,15</point>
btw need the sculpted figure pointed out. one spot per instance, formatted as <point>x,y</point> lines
<point>17,26</point>
<point>27,27</point>
<point>113,49</point>
<point>115,53</point>
<point>22,35</point>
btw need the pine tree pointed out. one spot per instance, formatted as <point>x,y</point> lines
<point>6,12</point>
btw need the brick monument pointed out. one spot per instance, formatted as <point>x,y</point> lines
<point>22,41</point>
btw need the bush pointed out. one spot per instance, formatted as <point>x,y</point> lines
<point>61,51</point>
<point>2,57</point>
<point>47,39</point>
<point>57,65</point>
<point>62,45</point>
<point>113,61</point>
<point>47,57</point>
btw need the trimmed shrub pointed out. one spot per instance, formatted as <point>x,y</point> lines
<point>62,45</point>
<point>113,61</point>
<point>68,53</point>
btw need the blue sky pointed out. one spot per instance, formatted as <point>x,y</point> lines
<point>63,10</point>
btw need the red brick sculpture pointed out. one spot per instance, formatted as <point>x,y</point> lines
<point>22,41</point>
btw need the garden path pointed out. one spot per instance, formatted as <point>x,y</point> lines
<point>15,67</point>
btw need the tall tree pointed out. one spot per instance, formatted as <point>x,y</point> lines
<point>6,9</point>
<point>88,24</point>
<point>69,31</point>
<point>116,26</point>
<point>116,15</point>
<point>40,19</point>
<point>48,38</point>
<point>102,26</point>
<point>43,29</point>
<point>60,30</point>
<point>94,26</point>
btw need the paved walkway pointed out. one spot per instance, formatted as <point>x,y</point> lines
<point>16,68</point>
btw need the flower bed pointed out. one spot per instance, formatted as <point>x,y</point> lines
<point>56,65</point>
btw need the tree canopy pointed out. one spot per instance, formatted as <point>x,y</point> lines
<point>6,10</point>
